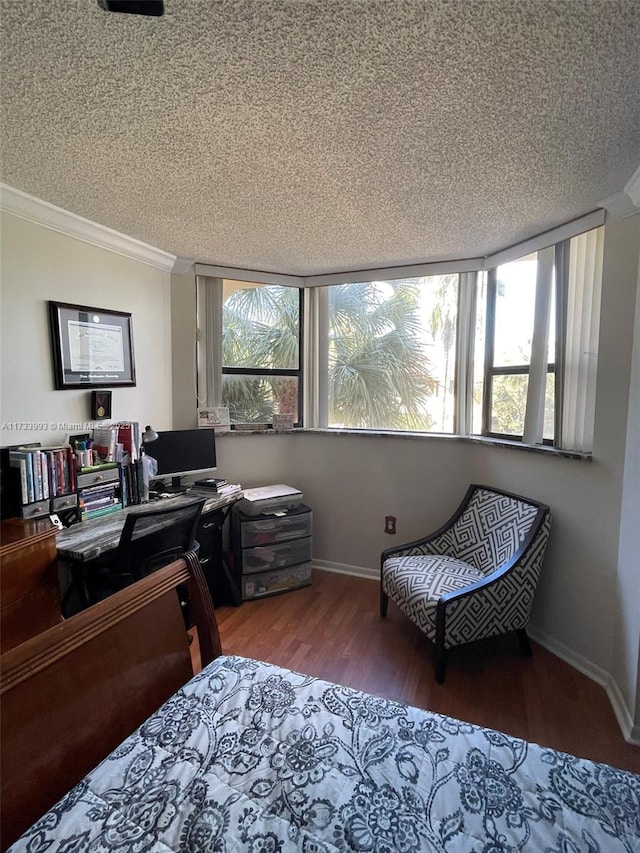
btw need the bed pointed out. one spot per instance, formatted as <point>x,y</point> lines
<point>246,756</point>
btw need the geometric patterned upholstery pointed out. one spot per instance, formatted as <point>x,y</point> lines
<point>487,533</point>
<point>474,577</point>
<point>417,583</point>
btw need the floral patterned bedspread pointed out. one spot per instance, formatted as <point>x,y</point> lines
<point>250,757</point>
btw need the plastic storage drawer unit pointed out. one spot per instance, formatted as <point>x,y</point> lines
<point>297,524</point>
<point>269,583</point>
<point>270,557</point>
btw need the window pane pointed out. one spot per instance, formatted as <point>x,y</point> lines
<point>255,399</point>
<point>515,307</point>
<point>508,403</point>
<point>391,357</point>
<point>260,326</point>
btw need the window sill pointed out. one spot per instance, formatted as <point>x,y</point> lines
<point>420,436</point>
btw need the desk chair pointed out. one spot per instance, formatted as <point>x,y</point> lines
<point>150,539</point>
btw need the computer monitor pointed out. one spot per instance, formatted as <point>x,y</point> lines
<point>182,452</point>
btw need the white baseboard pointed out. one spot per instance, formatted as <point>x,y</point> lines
<point>345,569</point>
<point>630,732</point>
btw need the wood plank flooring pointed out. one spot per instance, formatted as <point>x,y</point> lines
<point>332,630</point>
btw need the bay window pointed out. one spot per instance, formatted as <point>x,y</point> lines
<point>505,349</point>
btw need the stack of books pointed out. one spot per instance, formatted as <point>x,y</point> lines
<point>99,500</point>
<point>132,483</point>
<point>211,483</point>
<point>218,487</point>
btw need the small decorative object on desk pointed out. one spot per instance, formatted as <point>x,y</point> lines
<point>216,417</point>
<point>283,422</point>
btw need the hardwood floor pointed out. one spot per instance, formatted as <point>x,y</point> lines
<point>332,630</point>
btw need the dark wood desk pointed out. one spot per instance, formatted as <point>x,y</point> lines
<point>81,543</point>
<point>28,580</point>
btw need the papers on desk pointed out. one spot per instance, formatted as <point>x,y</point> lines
<point>224,492</point>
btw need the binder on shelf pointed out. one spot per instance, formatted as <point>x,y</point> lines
<point>23,460</point>
<point>18,460</point>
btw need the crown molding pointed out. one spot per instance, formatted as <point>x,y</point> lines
<point>632,187</point>
<point>32,209</point>
<point>626,203</point>
<point>182,265</point>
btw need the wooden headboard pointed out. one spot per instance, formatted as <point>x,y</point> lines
<point>71,694</point>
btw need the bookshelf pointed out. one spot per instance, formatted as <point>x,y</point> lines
<point>37,481</point>
<point>94,476</point>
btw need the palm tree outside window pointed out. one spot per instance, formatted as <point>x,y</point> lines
<point>261,372</point>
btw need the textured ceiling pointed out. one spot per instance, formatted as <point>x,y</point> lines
<point>309,136</point>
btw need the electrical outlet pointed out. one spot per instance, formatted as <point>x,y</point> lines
<point>389,524</point>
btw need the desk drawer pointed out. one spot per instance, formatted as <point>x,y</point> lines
<point>276,556</point>
<point>63,502</point>
<point>269,531</point>
<point>35,510</point>
<point>94,478</point>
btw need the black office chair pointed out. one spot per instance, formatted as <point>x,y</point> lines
<point>150,539</point>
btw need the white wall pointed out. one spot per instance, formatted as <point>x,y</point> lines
<point>183,336</point>
<point>626,650</point>
<point>39,264</point>
<point>353,482</point>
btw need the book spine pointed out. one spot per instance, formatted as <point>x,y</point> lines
<point>30,480</point>
<point>98,513</point>
<point>97,503</point>
<point>71,468</point>
<point>51,473</point>
<point>37,475</point>
<point>60,470</point>
<point>124,495</point>
<point>87,497</point>
<point>44,469</point>
<point>140,476</point>
<point>21,464</point>
<point>134,483</point>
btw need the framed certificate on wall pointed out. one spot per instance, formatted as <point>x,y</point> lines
<point>91,346</point>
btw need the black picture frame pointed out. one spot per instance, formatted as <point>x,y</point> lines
<point>91,347</point>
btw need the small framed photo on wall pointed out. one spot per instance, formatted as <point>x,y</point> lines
<point>100,405</point>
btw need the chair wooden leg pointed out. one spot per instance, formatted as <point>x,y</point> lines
<point>384,602</point>
<point>525,645</point>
